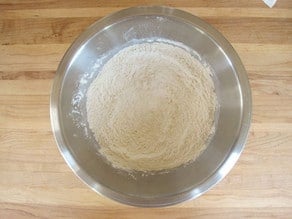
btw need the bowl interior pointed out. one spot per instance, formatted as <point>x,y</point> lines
<point>80,66</point>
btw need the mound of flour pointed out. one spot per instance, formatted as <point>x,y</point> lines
<point>151,107</point>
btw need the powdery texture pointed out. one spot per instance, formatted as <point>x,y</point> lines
<point>151,107</point>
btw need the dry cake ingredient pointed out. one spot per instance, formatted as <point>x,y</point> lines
<point>151,107</point>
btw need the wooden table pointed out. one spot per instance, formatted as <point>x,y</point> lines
<point>36,182</point>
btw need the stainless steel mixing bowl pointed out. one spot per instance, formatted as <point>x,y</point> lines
<point>80,65</point>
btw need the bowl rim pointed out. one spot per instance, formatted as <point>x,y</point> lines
<point>226,164</point>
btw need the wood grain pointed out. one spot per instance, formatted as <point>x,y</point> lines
<point>100,12</point>
<point>35,182</point>
<point>65,30</point>
<point>29,4</point>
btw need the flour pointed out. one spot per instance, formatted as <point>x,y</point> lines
<point>151,107</point>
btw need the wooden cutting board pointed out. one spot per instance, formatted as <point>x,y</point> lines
<point>36,182</point>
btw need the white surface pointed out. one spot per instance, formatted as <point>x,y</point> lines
<point>270,3</point>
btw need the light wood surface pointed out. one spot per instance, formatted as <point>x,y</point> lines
<point>35,182</point>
